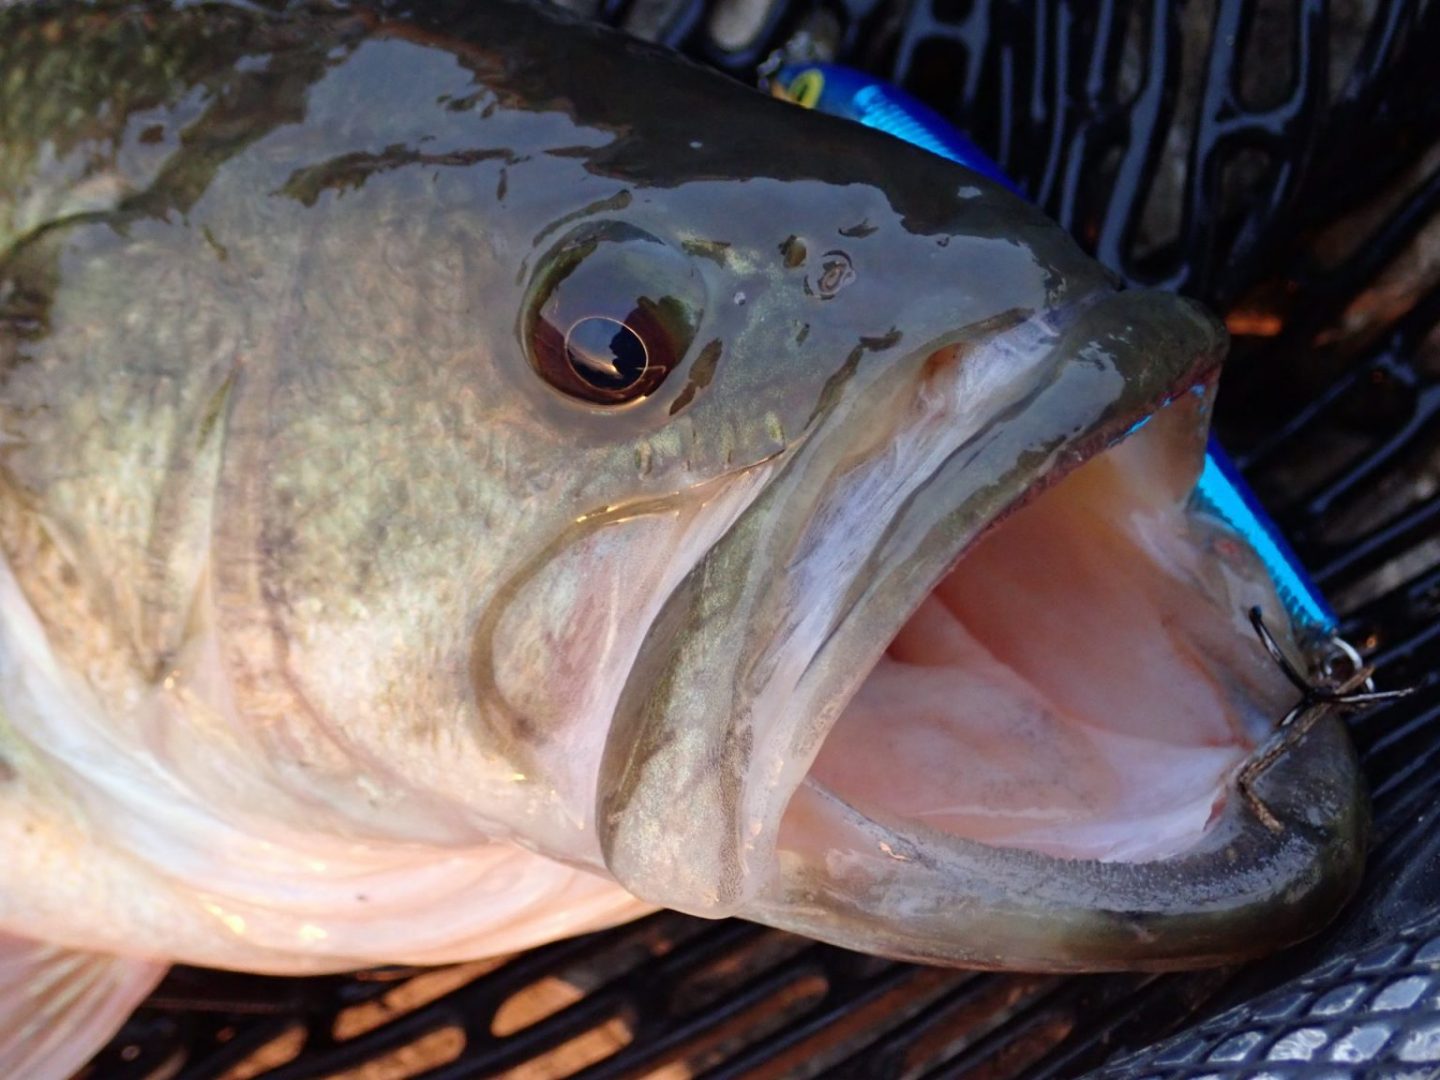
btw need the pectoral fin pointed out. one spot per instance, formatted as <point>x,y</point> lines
<point>58,1006</point>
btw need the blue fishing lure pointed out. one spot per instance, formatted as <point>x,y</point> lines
<point>1220,491</point>
<point>842,91</point>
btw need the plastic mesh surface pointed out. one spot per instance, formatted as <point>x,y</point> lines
<point>1376,1009</point>
<point>1279,160</point>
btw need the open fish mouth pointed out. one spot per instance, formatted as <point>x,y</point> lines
<point>971,682</point>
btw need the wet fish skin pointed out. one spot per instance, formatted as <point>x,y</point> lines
<point>345,589</point>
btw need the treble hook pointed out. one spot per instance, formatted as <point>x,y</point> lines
<point>1354,691</point>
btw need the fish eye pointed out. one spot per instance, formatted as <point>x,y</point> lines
<point>611,312</point>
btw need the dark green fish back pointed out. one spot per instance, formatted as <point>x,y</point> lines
<point>147,107</point>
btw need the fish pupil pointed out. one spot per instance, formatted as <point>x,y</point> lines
<point>606,353</point>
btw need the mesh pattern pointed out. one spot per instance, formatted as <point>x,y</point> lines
<point>1376,1010</point>
<point>1278,160</point>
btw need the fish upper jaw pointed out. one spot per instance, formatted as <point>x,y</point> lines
<point>756,654</point>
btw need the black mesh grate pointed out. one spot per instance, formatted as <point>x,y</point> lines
<point>1280,160</point>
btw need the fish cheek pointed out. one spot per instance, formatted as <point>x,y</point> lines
<point>551,656</point>
<point>558,626</point>
<point>555,648</point>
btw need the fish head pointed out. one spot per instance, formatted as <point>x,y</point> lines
<point>965,677</point>
<point>857,587</point>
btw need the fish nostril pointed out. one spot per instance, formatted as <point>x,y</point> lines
<point>837,272</point>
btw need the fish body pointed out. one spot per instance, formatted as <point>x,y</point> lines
<point>465,479</point>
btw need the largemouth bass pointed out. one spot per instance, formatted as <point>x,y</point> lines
<point>468,478</point>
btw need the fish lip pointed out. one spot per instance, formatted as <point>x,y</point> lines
<point>673,746</point>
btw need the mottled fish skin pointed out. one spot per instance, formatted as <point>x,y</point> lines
<point>332,586</point>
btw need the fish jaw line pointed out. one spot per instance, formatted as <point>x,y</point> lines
<point>758,652</point>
